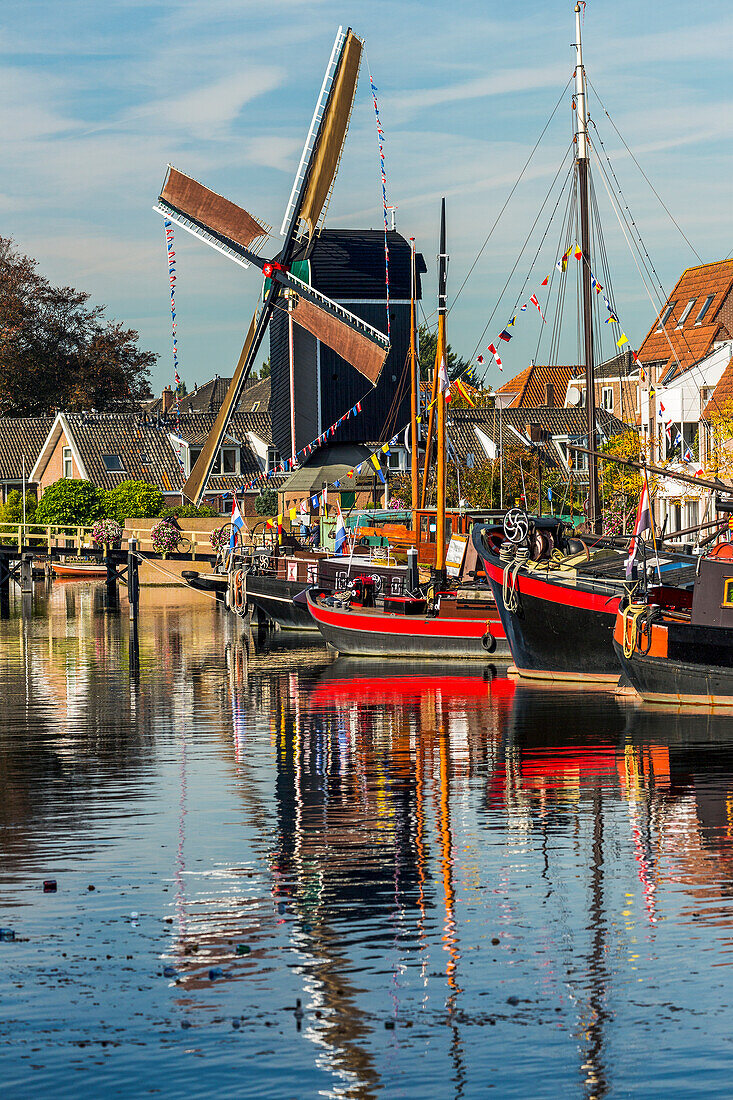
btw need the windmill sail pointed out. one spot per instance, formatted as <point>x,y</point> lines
<point>196,483</point>
<point>325,142</point>
<point>232,230</point>
<point>193,203</point>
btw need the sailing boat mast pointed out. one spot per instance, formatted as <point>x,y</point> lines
<point>594,509</point>
<point>414,386</point>
<point>441,366</point>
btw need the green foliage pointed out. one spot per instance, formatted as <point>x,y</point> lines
<point>266,503</point>
<point>428,346</point>
<point>264,371</point>
<point>12,510</point>
<point>133,500</point>
<point>57,351</point>
<point>189,511</point>
<point>72,502</point>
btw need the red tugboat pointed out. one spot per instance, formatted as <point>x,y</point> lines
<point>442,621</point>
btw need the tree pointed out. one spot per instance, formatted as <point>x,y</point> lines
<point>264,371</point>
<point>189,511</point>
<point>133,500</point>
<point>57,352</point>
<point>266,503</point>
<point>71,502</point>
<point>428,346</point>
<point>12,510</point>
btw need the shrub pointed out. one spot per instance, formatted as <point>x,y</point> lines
<point>71,502</point>
<point>12,510</point>
<point>106,530</point>
<point>266,503</point>
<point>189,511</point>
<point>133,500</point>
<point>164,536</point>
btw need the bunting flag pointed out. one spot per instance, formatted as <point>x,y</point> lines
<point>643,523</point>
<point>623,339</point>
<point>504,335</point>
<point>380,142</point>
<point>536,304</point>
<point>170,249</point>
<point>443,380</point>
<point>495,354</point>
<point>464,392</point>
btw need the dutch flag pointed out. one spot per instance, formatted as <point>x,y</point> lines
<point>342,546</point>
<point>237,524</point>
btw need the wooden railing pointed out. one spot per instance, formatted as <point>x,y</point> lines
<point>46,536</point>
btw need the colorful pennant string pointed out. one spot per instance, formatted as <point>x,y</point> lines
<point>380,141</point>
<point>169,244</point>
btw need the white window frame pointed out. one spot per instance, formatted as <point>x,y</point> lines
<point>666,315</point>
<point>67,458</point>
<point>704,308</point>
<point>607,398</point>
<point>229,450</point>
<point>686,312</point>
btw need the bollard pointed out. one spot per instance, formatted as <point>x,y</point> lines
<point>413,579</point>
<point>133,588</point>
<point>26,573</point>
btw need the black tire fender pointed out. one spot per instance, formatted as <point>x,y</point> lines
<point>488,642</point>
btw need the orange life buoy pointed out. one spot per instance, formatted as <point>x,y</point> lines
<point>722,550</point>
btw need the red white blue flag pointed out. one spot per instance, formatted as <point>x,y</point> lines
<point>643,523</point>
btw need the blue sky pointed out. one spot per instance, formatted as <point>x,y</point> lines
<point>97,97</point>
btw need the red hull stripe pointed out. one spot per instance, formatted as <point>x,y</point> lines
<point>416,626</point>
<point>558,593</point>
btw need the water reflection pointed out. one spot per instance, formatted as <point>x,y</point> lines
<point>493,883</point>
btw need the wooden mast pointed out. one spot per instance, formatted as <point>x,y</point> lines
<point>595,519</point>
<point>441,367</point>
<point>414,388</point>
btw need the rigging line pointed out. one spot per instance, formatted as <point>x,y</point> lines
<point>694,365</point>
<point>651,185</point>
<point>509,197</point>
<point>619,216</point>
<point>519,257</point>
<point>630,220</point>
<point>568,206</point>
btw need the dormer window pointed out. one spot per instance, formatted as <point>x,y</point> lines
<point>686,312</point>
<point>255,407</point>
<point>666,316</point>
<point>273,458</point>
<point>705,307</point>
<point>113,464</point>
<point>228,460</point>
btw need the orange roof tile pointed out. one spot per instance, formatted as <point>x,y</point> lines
<point>530,386</point>
<point>722,398</point>
<point>692,342</point>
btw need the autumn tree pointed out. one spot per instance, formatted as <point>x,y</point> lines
<point>57,351</point>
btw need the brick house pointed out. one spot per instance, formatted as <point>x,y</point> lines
<point>21,440</point>
<point>108,448</point>
<point>536,386</point>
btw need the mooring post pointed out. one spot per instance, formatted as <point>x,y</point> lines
<point>111,581</point>
<point>4,586</point>
<point>133,588</point>
<point>26,574</point>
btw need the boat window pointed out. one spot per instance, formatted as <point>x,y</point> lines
<point>113,464</point>
<point>705,307</point>
<point>728,592</point>
<point>686,312</point>
<point>423,528</point>
<point>665,316</point>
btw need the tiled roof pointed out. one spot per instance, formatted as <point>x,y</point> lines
<point>560,423</point>
<point>693,341</point>
<point>21,438</point>
<point>145,451</point>
<point>722,399</point>
<point>620,366</point>
<point>530,387</point>
<point>210,396</point>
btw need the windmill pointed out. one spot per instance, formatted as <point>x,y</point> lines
<point>234,232</point>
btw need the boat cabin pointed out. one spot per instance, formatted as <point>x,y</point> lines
<point>712,601</point>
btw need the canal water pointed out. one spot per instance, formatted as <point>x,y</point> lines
<point>282,874</point>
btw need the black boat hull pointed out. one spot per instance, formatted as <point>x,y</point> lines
<point>273,597</point>
<point>558,632</point>
<point>664,680</point>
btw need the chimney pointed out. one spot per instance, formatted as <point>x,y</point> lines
<point>166,399</point>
